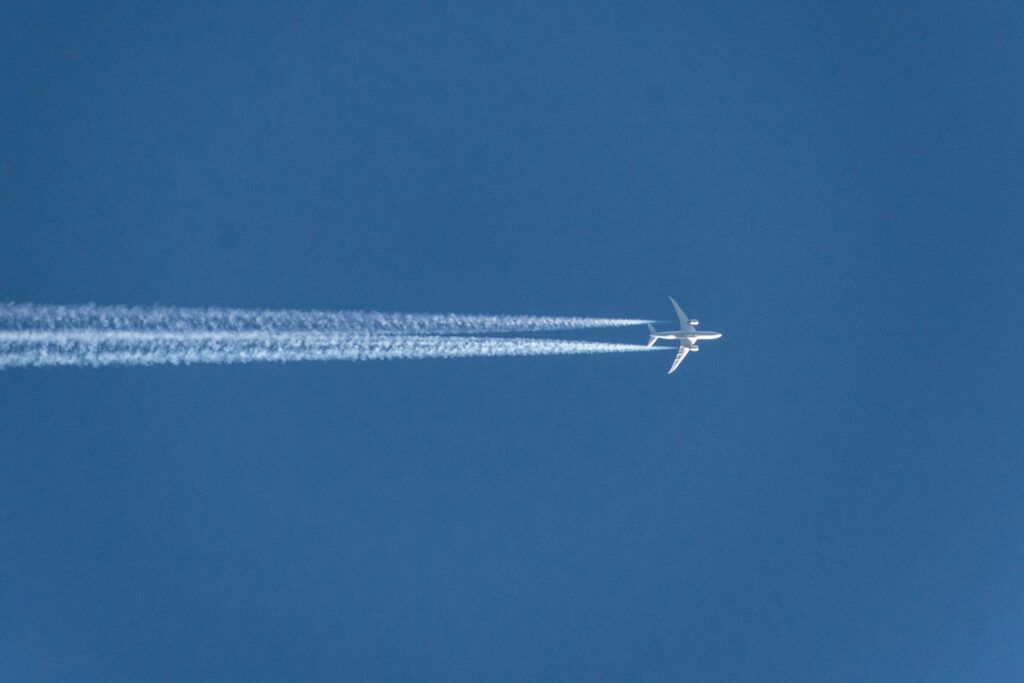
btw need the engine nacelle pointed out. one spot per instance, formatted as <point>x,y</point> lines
<point>695,322</point>
<point>694,348</point>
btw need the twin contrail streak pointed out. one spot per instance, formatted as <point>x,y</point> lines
<point>37,336</point>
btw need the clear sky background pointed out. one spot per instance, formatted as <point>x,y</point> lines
<point>834,490</point>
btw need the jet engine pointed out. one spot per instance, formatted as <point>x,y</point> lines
<point>695,322</point>
<point>694,348</point>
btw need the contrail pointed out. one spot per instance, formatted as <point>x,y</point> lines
<point>163,318</point>
<point>38,348</point>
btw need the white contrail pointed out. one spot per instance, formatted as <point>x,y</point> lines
<point>136,318</point>
<point>91,335</point>
<point>37,348</point>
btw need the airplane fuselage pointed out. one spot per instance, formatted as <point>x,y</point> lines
<point>683,335</point>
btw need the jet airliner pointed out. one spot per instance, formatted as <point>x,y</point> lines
<point>687,335</point>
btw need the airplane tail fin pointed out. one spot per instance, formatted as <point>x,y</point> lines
<point>653,339</point>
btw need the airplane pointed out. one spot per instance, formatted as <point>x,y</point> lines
<point>687,335</point>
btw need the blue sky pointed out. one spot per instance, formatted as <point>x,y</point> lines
<point>831,491</point>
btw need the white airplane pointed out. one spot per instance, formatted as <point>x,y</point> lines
<point>687,335</point>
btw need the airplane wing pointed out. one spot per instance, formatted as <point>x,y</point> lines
<point>684,322</point>
<point>683,350</point>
